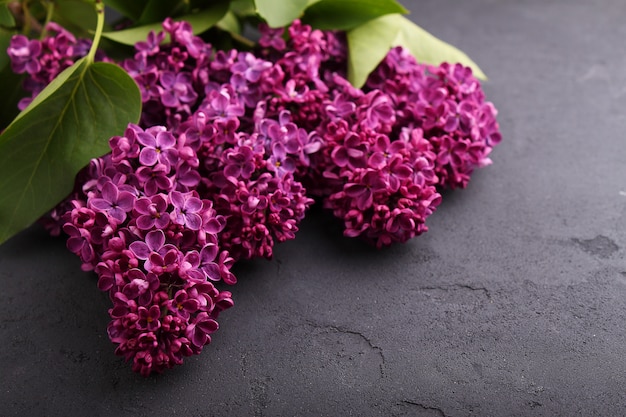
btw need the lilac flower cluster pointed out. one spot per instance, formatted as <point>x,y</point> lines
<point>448,104</point>
<point>386,147</point>
<point>140,223</point>
<point>44,60</point>
<point>380,182</point>
<point>229,148</point>
<point>248,158</point>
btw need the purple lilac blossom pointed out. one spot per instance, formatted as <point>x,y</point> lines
<point>229,143</point>
<point>143,247</point>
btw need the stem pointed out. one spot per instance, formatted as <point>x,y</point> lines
<point>99,27</point>
<point>49,12</point>
<point>242,39</point>
<point>27,18</point>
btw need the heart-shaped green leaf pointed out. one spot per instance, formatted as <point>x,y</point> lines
<point>200,21</point>
<point>280,13</point>
<point>369,43</point>
<point>66,125</point>
<point>346,14</point>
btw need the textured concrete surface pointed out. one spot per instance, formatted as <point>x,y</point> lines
<point>513,304</point>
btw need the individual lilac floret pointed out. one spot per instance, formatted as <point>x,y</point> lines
<point>24,54</point>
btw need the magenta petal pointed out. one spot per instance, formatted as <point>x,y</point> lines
<point>148,156</point>
<point>279,150</point>
<point>164,183</point>
<point>355,153</point>
<point>193,258</point>
<point>75,244</point>
<point>340,157</point>
<point>105,283</point>
<point>118,214</point>
<point>212,270</point>
<point>197,336</point>
<point>146,139</point>
<point>406,223</point>
<point>165,139</point>
<point>355,190</point>
<point>377,160</point>
<point>167,79</point>
<point>99,204</point>
<point>178,218</point>
<point>208,326</point>
<point>402,171</point>
<point>155,240</point>
<point>162,222</point>
<point>140,249</point>
<point>193,205</point>
<point>189,178</point>
<point>247,170</point>
<point>213,226</point>
<point>365,200</point>
<point>109,192</point>
<point>194,222</point>
<point>208,253</point>
<point>232,171</point>
<point>177,199</point>
<point>190,305</point>
<point>289,165</point>
<point>126,200</point>
<point>169,99</point>
<point>151,188</point>
<point>145,222</point>
<point>142,205</point>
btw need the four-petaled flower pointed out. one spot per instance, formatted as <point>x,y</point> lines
<point>116,204</point>
<point>186,209</point>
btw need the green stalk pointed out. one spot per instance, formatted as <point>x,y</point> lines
<point>49,12</point>
<point>99,28</point>
<point>27,18</point>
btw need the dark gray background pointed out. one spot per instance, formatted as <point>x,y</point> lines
<point>514,303</point>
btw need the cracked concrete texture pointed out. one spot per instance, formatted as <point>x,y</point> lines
<point>514,302</point>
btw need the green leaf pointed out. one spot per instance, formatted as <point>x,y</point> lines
<point>200,21</point>
<point>75,14</point>
<point>369,43</point>
<point>6,17</point>
<point>346,14</point>
<point>5,41</point>
<point>66,125</point>
<point>367,46</point>
<point>243,8</point>
<point>230,23</point>
<point>280,13</point>
<point>10,83</point>
<point>129,8</point>
<point>12,93</point>
<point>158,10</point>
